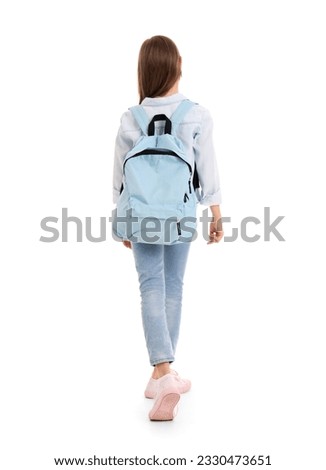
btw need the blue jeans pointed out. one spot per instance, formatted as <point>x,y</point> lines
<point>160,271</point>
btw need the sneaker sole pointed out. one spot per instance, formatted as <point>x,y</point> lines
<point>165,407</point>
<point>181,391</point>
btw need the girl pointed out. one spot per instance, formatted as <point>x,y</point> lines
<point>161,268</point>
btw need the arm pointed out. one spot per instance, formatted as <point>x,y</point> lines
<point>123,144</point>
<point>210,194</point>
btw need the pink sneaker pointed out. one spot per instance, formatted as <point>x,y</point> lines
<point>166,399</point>
<point>183,385</point>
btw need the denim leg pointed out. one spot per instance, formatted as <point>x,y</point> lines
<point>149,260</point>
<point>175,260</point>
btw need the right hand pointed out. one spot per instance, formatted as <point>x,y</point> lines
<point>215,233</point>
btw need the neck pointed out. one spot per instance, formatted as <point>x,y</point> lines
<point>173,90</point>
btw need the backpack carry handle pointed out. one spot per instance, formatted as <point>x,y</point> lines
<point>160,117</point>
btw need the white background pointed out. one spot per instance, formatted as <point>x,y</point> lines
<point>73,358</point>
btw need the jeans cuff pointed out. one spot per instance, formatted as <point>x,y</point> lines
<point>160,361</point>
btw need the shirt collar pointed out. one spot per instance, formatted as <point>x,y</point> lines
<point>175,98</point>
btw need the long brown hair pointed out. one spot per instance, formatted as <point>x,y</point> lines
<point>159,67</point>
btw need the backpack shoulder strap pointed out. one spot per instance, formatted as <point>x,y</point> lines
<point>141,117</point>
<point>180,112</point>
<point>176,119</point>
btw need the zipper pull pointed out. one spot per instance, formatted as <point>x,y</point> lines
<point>185,197</point>
<point>178,229</point>
<point>189,184</point>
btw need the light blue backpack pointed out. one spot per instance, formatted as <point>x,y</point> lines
<point>157,203</point>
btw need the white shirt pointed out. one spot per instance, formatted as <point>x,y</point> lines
<point>196,134</point>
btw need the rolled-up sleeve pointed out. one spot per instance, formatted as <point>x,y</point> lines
<point>209,193</point>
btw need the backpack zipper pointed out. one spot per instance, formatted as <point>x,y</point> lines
<point>161,152</point>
